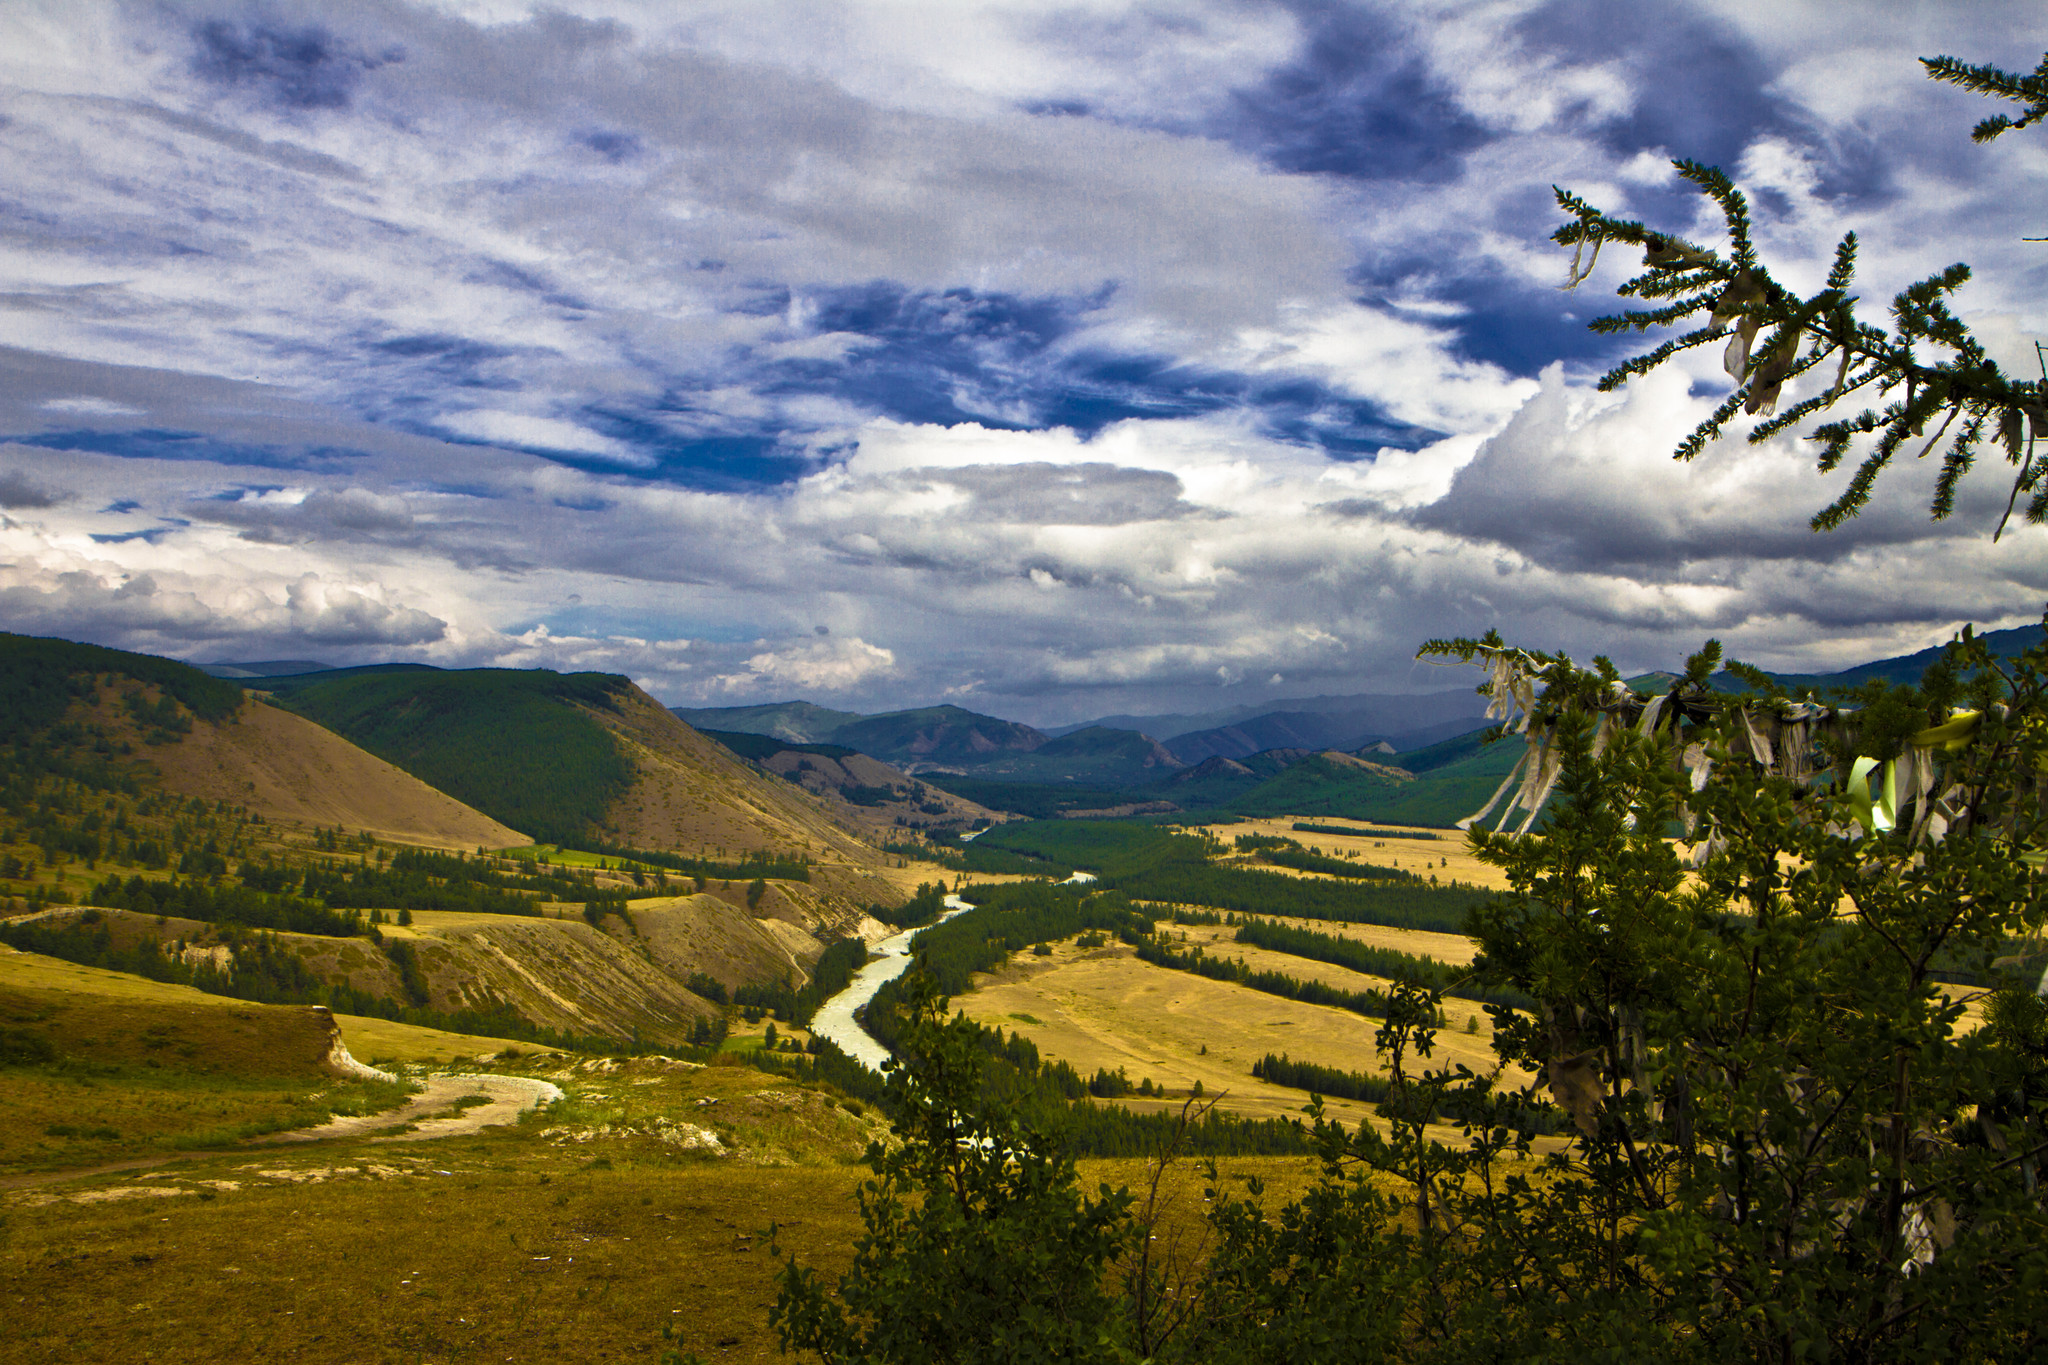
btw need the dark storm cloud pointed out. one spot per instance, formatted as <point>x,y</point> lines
<point>1357,101</point>
<point>18,492</point>
<point>304,67</point>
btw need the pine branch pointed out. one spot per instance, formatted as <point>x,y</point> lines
<point>2032,91</point>
<point>1956,382</point>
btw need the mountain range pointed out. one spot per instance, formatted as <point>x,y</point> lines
<point>952,741</point>
<point>925,767</point>
<point>1415,758</point>
<point>294,781</point>
<point>259,801</point>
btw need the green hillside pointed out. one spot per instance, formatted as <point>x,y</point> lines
<point>1110,758</point>
<point>750,745</point>
<point>1444,753</point>
<point>1904,670</point>
<point>1039,800</point>
<point>509,742</point>
<point>1440,797</point>
<point>40,678</point>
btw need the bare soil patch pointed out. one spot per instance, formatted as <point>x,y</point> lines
<point>426,1115</point>
<point>287,768</point>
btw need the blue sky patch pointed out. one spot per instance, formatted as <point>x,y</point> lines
<point>300,68</point>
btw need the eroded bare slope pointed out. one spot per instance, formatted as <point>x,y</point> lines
<point>692,796</point>
<point>287,768</point>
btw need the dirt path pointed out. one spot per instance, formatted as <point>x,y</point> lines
<point>510,1096</point>
<point>35,1178</point>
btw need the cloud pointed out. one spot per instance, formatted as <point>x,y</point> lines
<point>1066,495</point>
<point>1581,484</point>
<point>834,665</point>
<point>182,585</point>
<point>18,492</point>
<point>90,407</point>
<point>296,515</point>
<point>301,68</point>
<point>1113,359</point>
<point>327,613</point>
<point>525,432</point>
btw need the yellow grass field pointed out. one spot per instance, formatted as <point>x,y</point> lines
<point>1103,1009</point>
<point>1454,1044</point>
<point>632,1218</point>
<point>367,1039</point>
<point>505,1246</point>
<point>1455,949</point>
<point>1449,857</point>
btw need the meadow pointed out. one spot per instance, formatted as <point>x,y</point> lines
<point>1100,1008</point>
<point>632,1218</point>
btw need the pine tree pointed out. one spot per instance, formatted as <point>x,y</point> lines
<point>1928,370</point>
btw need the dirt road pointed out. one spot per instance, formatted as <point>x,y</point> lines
<point>510,1096</point>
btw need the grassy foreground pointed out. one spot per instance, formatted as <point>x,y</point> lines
<point>607,1228</point>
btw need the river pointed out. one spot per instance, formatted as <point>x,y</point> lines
<point>834,1018</point>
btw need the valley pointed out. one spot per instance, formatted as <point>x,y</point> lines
<point>557,887</point>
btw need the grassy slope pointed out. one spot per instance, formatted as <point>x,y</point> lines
<point>92,1078</point>
<point>864,792</point>
<point>799,722</point>
<point>513,743</point>
<point>41,678</point>
<point>691,795</point>
<point>1440,797</point>
<point>368,1039</point>
<point>577,1237</point>
<point>758,747</point>
<point>560,974</point>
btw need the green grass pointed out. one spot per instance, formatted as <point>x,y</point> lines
<point>66,1117</point>
<point>512,743</point>
<point>574,1237</point>
<point>1440,797</point>
<point>558,856</point>
<point>95,1079</point>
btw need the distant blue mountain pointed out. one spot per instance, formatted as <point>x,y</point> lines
<point>269,669</point>
<point>1405,722</point>
<point>1907,668</point>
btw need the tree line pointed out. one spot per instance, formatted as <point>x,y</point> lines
<point>1375,961</point>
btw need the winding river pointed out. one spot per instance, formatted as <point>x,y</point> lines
<point>834,1018</point>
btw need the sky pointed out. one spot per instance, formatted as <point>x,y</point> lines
<point>1052,360</point>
